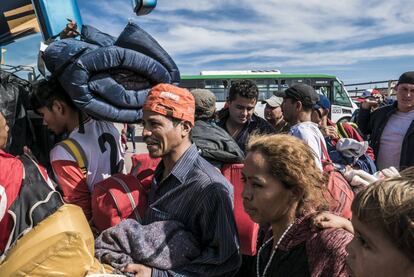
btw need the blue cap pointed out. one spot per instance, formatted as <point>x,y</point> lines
<point>323,103</point>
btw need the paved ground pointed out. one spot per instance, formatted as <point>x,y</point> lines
<point>140,146</point>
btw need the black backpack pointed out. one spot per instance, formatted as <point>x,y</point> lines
<point>37,200</point>
<point>26,127</point>
<point>14,96</point>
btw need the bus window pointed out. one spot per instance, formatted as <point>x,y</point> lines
<point>285,83</point>
<point>267,84</point>
<point>273,87</point>
<point>322,86</point>
<point>190,84</point>
<point>323,90</point>
<point>225,83</point>
<point>262,85</point>
<point>218,88</point>
<point>340,97</point>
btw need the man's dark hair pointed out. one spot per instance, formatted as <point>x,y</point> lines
<point>47,91</point>
<point>244,88</point>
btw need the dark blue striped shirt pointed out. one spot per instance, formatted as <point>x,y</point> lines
<point>196,194</point>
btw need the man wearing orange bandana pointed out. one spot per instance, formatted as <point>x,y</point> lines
<point>186,188</point>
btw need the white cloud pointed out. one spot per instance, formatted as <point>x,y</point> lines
<point>281,58</point>
<point>195,5</point>
<point>240,34</point>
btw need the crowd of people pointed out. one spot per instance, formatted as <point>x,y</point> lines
<point>289,188</point>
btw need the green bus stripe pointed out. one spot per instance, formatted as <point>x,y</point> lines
<point>255,76</point>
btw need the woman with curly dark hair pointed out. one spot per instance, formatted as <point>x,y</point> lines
<point>283,189</point>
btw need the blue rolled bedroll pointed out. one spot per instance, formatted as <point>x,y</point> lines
<point>110,79</point>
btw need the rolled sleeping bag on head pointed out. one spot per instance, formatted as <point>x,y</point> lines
<point>98,108</point>
<point>92,35</point>
<point>108,86</point>
<point>103,97</point>
<point>135,38</point>
<point>58,53</point>
<point>78,75</point>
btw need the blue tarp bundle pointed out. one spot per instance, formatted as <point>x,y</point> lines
<point>110,78</point>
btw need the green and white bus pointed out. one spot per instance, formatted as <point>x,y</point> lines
<point>269,81</point>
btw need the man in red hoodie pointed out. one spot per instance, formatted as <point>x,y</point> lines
<point>10,180</point>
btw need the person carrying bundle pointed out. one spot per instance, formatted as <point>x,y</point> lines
<point>92,151</point>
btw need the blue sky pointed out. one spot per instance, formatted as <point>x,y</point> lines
<point>357,40</point>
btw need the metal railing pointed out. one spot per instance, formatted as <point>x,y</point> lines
<point>32,76</point>
<point>385,87</point>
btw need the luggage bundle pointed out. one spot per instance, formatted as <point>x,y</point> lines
<point>116,198</point>
<point>60,245</point>
<point>110,78</point>
<point>123,196</point>
<point>14,93</point>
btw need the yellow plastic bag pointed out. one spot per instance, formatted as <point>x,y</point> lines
<point>61,245</point>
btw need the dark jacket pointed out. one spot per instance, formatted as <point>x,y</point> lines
<point>215,144</point>
<point>256,125</point>
<point>373,124</point>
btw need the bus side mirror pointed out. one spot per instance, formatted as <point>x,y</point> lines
<point>143,7</point>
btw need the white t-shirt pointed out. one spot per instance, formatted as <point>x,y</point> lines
<point>99,140</point>
<point>310,133</point>
<point>392,139</point>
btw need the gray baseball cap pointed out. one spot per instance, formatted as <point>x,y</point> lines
<point>273,101</point>
<point>205,103</point>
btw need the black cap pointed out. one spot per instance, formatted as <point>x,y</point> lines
<point>300,92</point>
<point>406,78</point>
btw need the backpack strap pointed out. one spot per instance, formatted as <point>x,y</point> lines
<point>76,151</point>
<point>129,196</point>
<point>355,126</point>
<point>341,130</point>
<point>327,164</point>
<point>326,157</point>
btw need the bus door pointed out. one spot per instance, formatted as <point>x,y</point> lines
<point>342,106</point>
<point>323,86</point>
